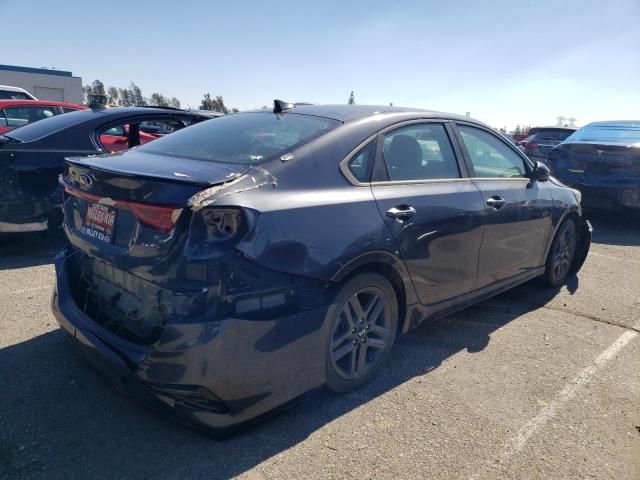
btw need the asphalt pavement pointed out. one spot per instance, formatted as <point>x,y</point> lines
<point>531,384</point>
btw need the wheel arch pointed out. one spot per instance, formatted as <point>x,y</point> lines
<point>390,267</point>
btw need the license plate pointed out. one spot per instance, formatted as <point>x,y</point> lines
<point>99,222</point>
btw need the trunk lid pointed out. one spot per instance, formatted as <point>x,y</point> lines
<point>129,209</point>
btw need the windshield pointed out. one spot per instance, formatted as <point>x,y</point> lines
<point>617,133</point>
<point>549,135</point>
<point>243,138</point>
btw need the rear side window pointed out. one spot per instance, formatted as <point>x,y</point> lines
<point>360,165</point>
<point>490,156</point>
<point>9,95</point>
<point>243,138</point>
<point>419,152</point>
<point>18,116</point>
<point>69,110</point>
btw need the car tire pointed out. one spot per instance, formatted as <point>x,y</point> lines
<point>363,322</point>
<point>561,254</point>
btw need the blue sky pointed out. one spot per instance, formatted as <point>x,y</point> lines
<point>506,62</point>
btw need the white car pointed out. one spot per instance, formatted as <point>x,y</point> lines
<point>14,93</point>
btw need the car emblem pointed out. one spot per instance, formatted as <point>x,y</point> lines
<point>600,152</point>
<point>85,180</point>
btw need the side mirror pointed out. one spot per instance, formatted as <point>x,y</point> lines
<point>540,172</point>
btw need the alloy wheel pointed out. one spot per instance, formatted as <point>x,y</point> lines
<point>564,252</point>
<point>361,333</point>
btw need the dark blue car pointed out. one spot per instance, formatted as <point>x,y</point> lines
<point>230,267</point>
<point>602,160</point>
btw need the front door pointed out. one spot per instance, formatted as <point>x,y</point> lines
<point>434,214</point>
<point>517,209</point>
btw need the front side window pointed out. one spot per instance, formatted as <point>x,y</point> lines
<point>244,137</point>
<point>131,133</point>
<point>490,156</point>
<point>18,116</point>
<point>419,152</point>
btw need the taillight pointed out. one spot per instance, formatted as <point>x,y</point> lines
<point>159,217</point>
<point>212,228</point>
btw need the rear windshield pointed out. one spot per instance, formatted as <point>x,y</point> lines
<point>36,130</point>
<point>621,133</point>
<point>550,135</point>
<point>243,137</point>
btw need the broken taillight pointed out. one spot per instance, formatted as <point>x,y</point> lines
<point>158,217</point>
<point>212,228</point>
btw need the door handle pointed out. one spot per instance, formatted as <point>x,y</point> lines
<point>401,212</point>
<point>496,202</point>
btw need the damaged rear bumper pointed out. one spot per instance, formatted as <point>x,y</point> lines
<point>218,373</point>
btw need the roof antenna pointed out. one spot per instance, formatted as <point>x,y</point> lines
<point>280,106</point>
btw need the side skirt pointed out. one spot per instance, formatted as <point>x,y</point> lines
<point>418,314</point>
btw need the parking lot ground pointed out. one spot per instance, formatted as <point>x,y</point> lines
<point>530,384</point>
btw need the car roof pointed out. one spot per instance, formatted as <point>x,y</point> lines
<point>12,89</point>
<point>345,112</point>
<point>616,123</point>
<point>53,125</point>
<point>45,103</point>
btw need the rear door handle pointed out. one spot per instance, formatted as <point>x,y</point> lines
<point>401,212</point>
<point>496,202</point>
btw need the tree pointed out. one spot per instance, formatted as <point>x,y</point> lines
<point>125,99</point>
<point>97,88</point>
<point>214,104</point>
<point>560,120</point>
<point>114,95</point>
<point>352,99</point>
<point>136,96</point>
<point>86,91</point>
<point>159,100</point>
<point>206,103</point>
<point>174,102</point>
<point>234,110</point>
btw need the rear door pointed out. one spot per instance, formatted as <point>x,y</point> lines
<point>433,211</point>
<point>517,210</point>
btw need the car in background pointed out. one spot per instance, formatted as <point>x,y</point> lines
<point>8,92</point>
<point>541,141</point>
<point>229,268</point>
<point>17,113</point>
<point>32,156</point>
<point>602,160</point>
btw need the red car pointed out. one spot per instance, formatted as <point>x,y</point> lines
<point>15,113</point>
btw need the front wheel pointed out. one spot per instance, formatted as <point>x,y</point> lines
<point>561,254</point>
<point>363,322</point>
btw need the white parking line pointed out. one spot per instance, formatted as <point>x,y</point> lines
<point>31,289</point>
<point>626,260</point>
<point>533,426</point>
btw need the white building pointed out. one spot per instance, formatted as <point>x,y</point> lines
<point>43,83</point>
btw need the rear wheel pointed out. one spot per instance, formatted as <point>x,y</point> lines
<point>363,322</point>
<point>561,254</point>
